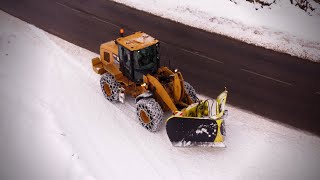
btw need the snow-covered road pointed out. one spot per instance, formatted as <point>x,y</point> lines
<point>56,124</point>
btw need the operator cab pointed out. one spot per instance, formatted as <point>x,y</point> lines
<point>138,55</point>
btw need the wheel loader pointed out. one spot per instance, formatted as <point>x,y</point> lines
<point>130,66</point>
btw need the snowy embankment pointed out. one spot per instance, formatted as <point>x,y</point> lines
<point>32,144</point>
<point>281,27</point>
<point>56,124</point>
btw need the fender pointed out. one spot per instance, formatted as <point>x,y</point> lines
<point>147,94</point>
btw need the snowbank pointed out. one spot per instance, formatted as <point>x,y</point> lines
<point>282,26</point>
<point>55,121</point>
<point>32,144</point>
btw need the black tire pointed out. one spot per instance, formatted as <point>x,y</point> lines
<point>150,114</point>
<point>191,92</point>
<point>110,87</point>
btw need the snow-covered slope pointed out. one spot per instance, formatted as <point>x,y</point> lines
<point>282,26</point>
<point>32,144</point>
<point>56,124</point>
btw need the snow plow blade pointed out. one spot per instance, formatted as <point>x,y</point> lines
<point>196,126</point>
<point>192,131</point>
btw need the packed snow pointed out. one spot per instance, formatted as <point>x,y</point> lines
<point>32,144</point>
<point>56,124</point>
<point>281,26</point>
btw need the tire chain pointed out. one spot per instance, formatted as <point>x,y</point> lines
<point>153,111</point>
<point>191,92</point>
<point>107,78</point>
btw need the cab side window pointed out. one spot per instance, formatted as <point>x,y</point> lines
<point>106,56</point>
<point>125,57</point>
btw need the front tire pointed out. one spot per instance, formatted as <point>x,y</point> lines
<point>110,87</point>
<point>150,114</point>
<point>191,92</point>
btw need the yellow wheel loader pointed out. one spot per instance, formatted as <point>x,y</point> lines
<point>130,65</point>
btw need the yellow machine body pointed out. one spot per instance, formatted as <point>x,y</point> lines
<point>170,94</point>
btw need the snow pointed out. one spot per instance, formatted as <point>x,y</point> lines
<point>56,124</point>
<point>282,26</point>
<point>204,144</point>
<point>202,130</point>
<point>32,144</point>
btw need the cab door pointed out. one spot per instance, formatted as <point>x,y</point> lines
<point>126,62</point>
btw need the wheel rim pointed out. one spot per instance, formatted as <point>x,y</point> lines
<point>107,89</point>
<point>144,117</point>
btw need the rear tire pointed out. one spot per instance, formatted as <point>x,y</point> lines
<point>110,87</point>
<point>150,114</point>
<point>191,92</point>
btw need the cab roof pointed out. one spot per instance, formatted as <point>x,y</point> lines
<point>137,41</point>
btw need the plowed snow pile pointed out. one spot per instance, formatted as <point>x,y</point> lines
<point>56,124</point>
<point>282,26</point>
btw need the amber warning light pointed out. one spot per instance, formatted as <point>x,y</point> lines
<point>121,32</point>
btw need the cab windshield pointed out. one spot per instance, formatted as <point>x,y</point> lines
<point>146,59</point>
